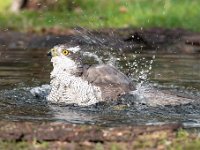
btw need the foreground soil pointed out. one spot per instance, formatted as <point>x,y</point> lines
<point>127,40</point>
<point>27,135</point>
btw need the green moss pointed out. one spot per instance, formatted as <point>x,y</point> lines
<point>185,141</point>
<point>99,146</point>
<point>11,145</point>
<point>181,134</point>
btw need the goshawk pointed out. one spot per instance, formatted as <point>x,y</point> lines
<point>73,82</point>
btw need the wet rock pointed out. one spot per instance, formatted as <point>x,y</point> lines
<point>192,43</point>
<point>192,40</point>
<point>14,40</point>
<point>156,38</point>
<point>46,42</point>
<point>116,40</point>
<point>183,47</point>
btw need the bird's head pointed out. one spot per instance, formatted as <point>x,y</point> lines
<point>63,51</point>
<point>69,55</point>
<point>66,56</point>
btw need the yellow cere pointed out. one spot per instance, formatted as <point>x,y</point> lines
<point>53,52</point>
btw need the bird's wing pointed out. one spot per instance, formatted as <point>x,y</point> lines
<point>106,75</point>
<point>111,81</point>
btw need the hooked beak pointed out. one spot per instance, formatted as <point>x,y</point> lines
<point>49,54</point>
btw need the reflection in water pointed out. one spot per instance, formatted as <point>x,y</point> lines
<point>23,67</point>
<point>172,74</point>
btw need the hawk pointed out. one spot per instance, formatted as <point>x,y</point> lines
<point>74,82</point>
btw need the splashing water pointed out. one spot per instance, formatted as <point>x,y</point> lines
<point>97,58</point>
<point>144,71</point>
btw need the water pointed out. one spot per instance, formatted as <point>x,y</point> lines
<point>163,81</point>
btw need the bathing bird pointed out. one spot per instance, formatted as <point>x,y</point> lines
<point>73,81</point>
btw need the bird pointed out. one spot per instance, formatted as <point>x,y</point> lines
<point>75,82</point>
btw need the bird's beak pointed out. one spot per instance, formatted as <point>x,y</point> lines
<point>49,54</point>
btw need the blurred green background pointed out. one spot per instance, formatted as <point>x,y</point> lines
<point>102,14</point>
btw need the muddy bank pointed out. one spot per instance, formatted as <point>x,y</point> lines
<point>40,136</point>
<point>128,40</point>
<point>64,135</point>
<point>75,133</point>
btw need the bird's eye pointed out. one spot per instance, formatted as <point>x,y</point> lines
<point>65,52</point>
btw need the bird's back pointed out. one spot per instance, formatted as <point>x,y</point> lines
<point>112,82</point>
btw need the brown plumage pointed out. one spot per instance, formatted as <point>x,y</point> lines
<point>111,81</point>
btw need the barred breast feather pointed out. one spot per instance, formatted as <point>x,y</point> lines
<point>70,89</point>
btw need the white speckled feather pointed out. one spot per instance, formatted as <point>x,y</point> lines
<point>69,89</point>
